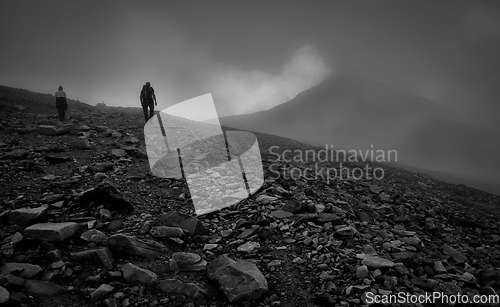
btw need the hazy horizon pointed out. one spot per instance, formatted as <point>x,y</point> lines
<point>254,55</point>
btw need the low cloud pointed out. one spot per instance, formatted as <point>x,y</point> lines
<point>237,91</point>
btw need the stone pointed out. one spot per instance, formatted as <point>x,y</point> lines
<point>101,128</point>
<point>45,121</point>
<point>455,254</point>
<point>281,214</point>
<point>99,256</point>
<point>183,261</point>
<point>467,277</point>
<point>226,233</point>
<point>188,223</point>
<point>242,223</point>
<point>100,292</point>
<point>118,153</point>
<point>376,262</point>
<point>48,130</point>
<point>240,280</point>
<point>488,277</point>
<point>166,232</point>
<point>265,199</point>
<point>49,177</point>
<point>39,288</point>
<point>369,250</point>
<point>324,217</point>
<point>57,159</point>
<point>413,241</point>
<point>7,249</point>
<point>362,271</point>
<point>24,270</point>
<point>129,245</point>
<point>16,154</point>
<point>107,194</point>
<point>79,144</point>
<point>132,272</point>
<point>16,238</point>
<point>346,231</point>
<point>100,177</point>
<point>274,263</point>
<point>94,235</point>
<point>265,233</point>
<point>13,281</point>
<point>175,286</point>
<point>402,256</point>
<point>488,291</point>
<point>4,295</point>
<point>249,247</point>
<point>210,246</point>
<point>292,206</point>
<point>401,268</point>
<point>52,231</point>
<point>439,267</point>
<point>132,140</point>
<point>26,216</point>
<point>363,216</point>
<point>105,214</point>
<point>100,167</point>
<point>115,225</point>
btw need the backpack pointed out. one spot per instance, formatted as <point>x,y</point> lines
<point>147,94</point>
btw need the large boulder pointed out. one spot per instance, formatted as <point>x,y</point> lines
<point>25,216</point>
<point>240,280</point>
<point>52,231</point>
<point>24,270</point>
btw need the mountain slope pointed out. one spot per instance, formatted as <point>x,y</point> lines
<point>308,238</point>
<point>347,112</point>
<point>21,99</point>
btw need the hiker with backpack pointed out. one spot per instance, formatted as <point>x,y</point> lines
<point>147,99</point>
<point>61,103</point>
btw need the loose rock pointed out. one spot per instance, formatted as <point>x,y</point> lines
<point>240,280</point>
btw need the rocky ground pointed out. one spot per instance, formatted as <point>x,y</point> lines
<point>84,223</point>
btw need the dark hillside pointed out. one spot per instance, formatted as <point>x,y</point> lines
<point>117,236</point>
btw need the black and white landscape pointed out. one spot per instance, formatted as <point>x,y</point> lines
<point>377,129</point>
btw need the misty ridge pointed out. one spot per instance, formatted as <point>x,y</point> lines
<point>351,113</point>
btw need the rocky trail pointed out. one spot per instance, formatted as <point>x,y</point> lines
<point>84,223</point>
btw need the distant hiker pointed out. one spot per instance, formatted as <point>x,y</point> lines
<point>147,98</point>
<point>61,103</point>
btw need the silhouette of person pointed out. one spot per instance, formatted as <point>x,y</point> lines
<point>148,100</point>
<point>61,103</point>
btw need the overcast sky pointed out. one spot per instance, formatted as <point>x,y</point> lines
<point>252,55</point>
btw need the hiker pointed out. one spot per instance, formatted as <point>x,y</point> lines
<point>147,98</point>
<point>61,103</point>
